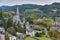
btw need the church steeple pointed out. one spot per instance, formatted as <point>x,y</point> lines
<point>17,19</point>
<point>17,13</point>
<point>17,16</point>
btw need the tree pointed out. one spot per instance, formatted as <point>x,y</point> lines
<point>21,30</point>
<point>38,34</point>
<point>11,30</point>
<point>7,16</point>
<point>58,35</point>
<point>0,15</point>
<point>46,22</point>
<point>9,23</point>
<point>54,33</point>
<point>7,37</point>
<point>35,21</point>
<point>38,27</point>
<point>30,18</point>
<point>1,20</point>
<point>1,23</point>
<point>49,24</point>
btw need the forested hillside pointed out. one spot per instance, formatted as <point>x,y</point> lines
<point>46,10</point>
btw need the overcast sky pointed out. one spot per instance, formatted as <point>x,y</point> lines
<point>19,2</point>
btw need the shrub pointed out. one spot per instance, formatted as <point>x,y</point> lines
<point>11,30</point>
<point>54,34</point>
<point>38,34</point>
<point>21,30</point>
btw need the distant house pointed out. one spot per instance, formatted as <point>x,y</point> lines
<point>2,37</point>
<point>58,29</point>
<point>53,28</point>
<point>20,36</point>
<point>12,37</point>
<point>56,23</point>
<point>29,30</point>
<point>2,33</point>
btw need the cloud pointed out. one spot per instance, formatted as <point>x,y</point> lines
<point>19,2</point>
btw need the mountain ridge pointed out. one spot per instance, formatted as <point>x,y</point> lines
<point>46,8</point>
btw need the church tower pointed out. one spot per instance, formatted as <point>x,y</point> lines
<point>16,18</point>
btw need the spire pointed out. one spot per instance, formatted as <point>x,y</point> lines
<point>17,10</point>
<point>17,16</point>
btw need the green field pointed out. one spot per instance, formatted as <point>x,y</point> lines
<point>39,38</point>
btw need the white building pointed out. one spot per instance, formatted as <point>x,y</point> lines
<point>17,20</point>
<point>20,36</point>
<point>53,28</point>
<point>58,30</point>
<point>2,37</point>
<point>2,33</point>
<point>16,17</point>
<point>12,37</point>
<point>29,30</point>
